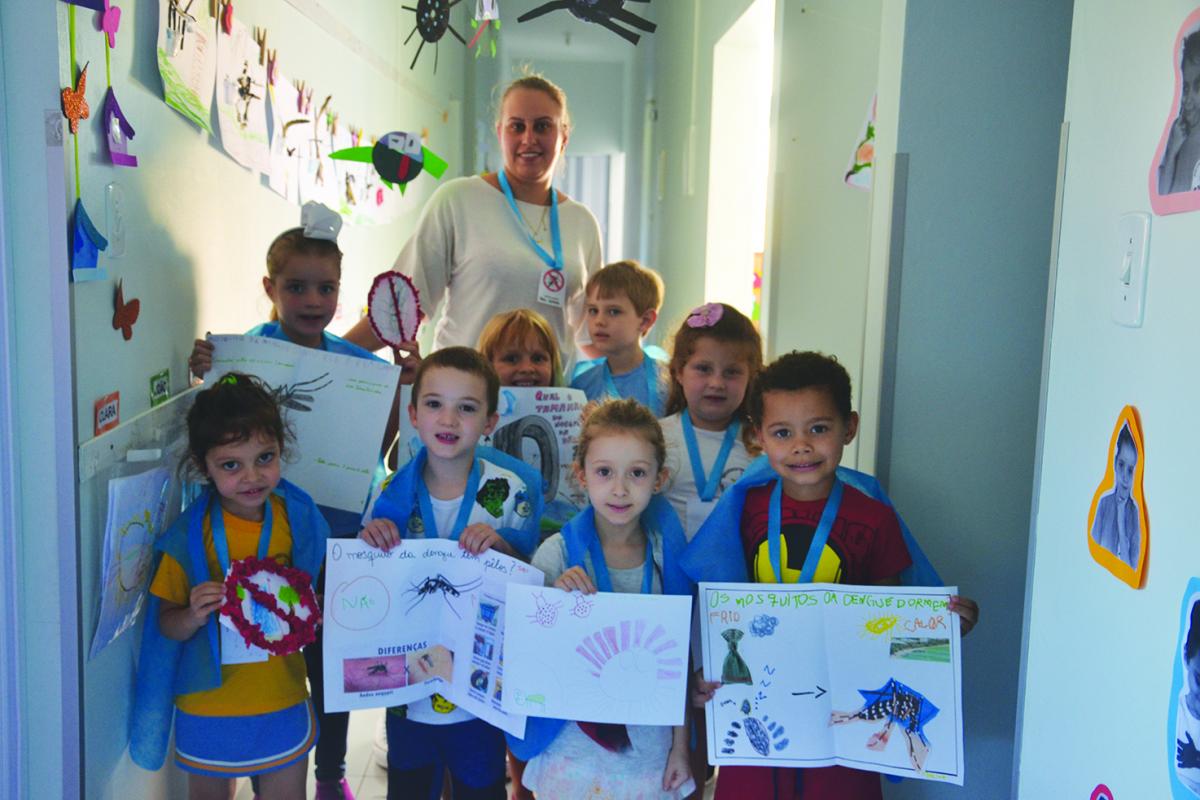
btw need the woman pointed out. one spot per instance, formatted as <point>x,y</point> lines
<point>500,241</point>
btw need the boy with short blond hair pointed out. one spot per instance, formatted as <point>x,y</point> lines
<point>623,299</point>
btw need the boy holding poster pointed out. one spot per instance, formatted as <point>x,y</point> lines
<point>800,522</point>
<point>484,499</point>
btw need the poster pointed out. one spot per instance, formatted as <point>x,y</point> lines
<point>187,57</point>
<point>423,617</point>
<point>289,130</point>
<point>1183,704</point>
<point>317,392</point>
<point>1175,172</point>
<point>137,507</point>
<point>242,99</point>
<point>539,425</point>
<point>820,674</point>
<point>603,657</point>
<point>1118,523</point>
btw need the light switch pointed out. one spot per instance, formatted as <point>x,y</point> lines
<point>1129,276</point>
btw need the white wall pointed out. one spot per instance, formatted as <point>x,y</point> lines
<point>1100,654</point>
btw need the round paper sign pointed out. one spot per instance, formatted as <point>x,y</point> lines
<point>394,309</point>
<point>271,605</point>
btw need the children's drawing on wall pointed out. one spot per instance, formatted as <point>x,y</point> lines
<point>1175,173</point>
<point>1118,526</point>
<point>288,132</point>
<point>862,162</point>
<point>241,108</point>
<point>1183,716</point>
<point>187,58</point>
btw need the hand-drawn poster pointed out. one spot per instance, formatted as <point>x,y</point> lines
<point>539,426</point>
<point>1118,524</point>
<point>318,392</point>
<point>423,617</point>
<point>1183,704</point>
<point>1175,172</point>
<point>187,57</point>
<point>137,506</point>
<point>603,657</point>
<point>819,674</point>
<point>862,162</point>
<point>242,99</point>
<point>289,130</point>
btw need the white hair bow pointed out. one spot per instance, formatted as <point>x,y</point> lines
<point>320,221</point>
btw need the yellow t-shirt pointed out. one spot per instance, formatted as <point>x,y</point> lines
<point>259,688</point>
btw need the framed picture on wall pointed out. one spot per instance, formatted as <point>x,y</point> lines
<point>1175,172</point>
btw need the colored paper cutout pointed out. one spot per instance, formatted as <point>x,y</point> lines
<point>227,16</point>
<point>1102,792</point>
<point>110,20</point>
<point>187,60</point>
<point>125,314</point>
<point>1183,708</point>
<point>433,20</point>
<point>1174,176</point>
<point>610,14</point>
<point>398,157</point>
<point>74,104</point>
<point>160,387</point>
<point>94,5</point>
<point>119,131</point>
<point>487,17</point>
<point>1118,523</point>
<point>862,162</point>
<point>106,413</point>
<point>394,308</point>
<point>86,244</point>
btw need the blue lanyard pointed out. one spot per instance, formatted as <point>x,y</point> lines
<point>610,386</point>
<point>820,535</point>
<point>600,567</point>
<point>221,542</point>
<point>706,486</point>
<point>555,261</point>
<point>464,508</point>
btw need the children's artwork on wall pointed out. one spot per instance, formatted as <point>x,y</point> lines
<point>241,99</point>
<point>86,245</point>
<point>605,657</point>
<point>1101,792</point>
<point>822,674</point>
<point>110,20</point>
<point>1118,522</point>
<point>289,134</point>
<point>1183,704</point>
<point>187,58</point>
<point>125,312</point>
<point>862,162</point>
<point>332,461</point>
<point>119,131</point>
<point>136,508</point>
<point>398,157</point>
<point>610,14</point>
<point>1174,180</point>
<point>74,103</point>
<point>433,20</point>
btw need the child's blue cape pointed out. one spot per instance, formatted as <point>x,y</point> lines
<point>398,499</point>
<point>167,667</point>
<point>659,517</point>
<point>716,554</point>
<point>329,342</point>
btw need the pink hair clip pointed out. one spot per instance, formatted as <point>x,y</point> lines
<point>705,316</point>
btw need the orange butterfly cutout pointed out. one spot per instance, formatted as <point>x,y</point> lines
<point>74,105</point>
<point>125,314</point>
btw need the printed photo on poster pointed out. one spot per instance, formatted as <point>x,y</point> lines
<point>1118,525</point>
<point>1175,172</point>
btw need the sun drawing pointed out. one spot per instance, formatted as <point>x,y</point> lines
<point>433,20</point>
<point>630,663</point>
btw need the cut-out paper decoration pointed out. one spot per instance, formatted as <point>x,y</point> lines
<point>106,413</point>
<point>610,14</point>
<point>241,108</point>
<point>398,158</point>
<point>1174,180</point>
<point>394,308</point>
<point>226,15</point>
<point>433,20</point>
<point>272,606</point>
<point>119,131</point>
<point>125,312</point>
<point>487,17</point>
<point>160,387</point>
<point>1101,792</point>
<point>862,162</point>
<point>1118,522</point>
<point>110,20</point>
<point>74,104</point>
<point>893,704</point>
<point>187,59</point>
<point>94,5</point>
<point>137,505</point>
<point>1183,704</point>
<point>86,244</point>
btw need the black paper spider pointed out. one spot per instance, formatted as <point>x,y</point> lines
<point>602,12</point>
<point>440,584</point>
<point>433,20</point>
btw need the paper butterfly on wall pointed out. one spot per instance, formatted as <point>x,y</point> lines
<point>272,606</point>
<point>125,313</point>
<point>607,13</point>
<point>394,309</point>
<point>433,20</point>
<point>398,157</point>
<point>74,104</point>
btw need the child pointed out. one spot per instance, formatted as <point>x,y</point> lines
<point>800,405</point>
<point>304,270</point>
<point>453,489</point>
<point>1117,526</point>
<point>521,347</point>
<point>1179,170</point>
<point>1187,719</point>
<point>232,718</point>
<point>628,540</point>
<point>623,299</point>
<point>715,356</point>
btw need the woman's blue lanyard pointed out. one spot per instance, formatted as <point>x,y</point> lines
<point>600,567</point>
<point>820,535</point>
<point>553,261</point>
<point>221,543</point>
<point>651,373</point>
<point>706,486</point>
<point>464,508</point>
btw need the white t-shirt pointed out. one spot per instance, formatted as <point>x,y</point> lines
<point>681,489</point>
<point>470,249</point>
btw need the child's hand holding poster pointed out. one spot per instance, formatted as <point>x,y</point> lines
<point>820,674</point>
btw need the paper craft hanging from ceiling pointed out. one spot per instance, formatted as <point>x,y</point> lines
<point>487,17</point>
<point>187,58</point>
<point>1118,524</point>
<point>1175,171</point>
<point>398,157</point>
<point>610,14</point>
<point>241,99</point>
<point>433,20</point>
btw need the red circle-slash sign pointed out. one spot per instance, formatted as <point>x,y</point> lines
<point>553,280</point>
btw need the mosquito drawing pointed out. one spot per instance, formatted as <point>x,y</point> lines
<point>297,396</point>
<point>440,584</point>
<point>377,669</point>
